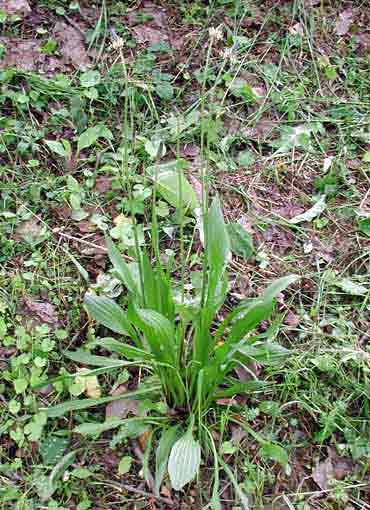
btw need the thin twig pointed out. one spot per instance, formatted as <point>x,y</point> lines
<point>87,243</point>
<point>129,488</point>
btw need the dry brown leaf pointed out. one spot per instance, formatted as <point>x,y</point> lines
<point>344,22</point>
<point>297,29</point>
<point>38,313</point>
<point>147,34</point>
<point>332,468</point>
<point>323,473</point>
<point>103,184</point>
<point>364,42</point>
<point>196,185</point>
<point>260,131</point>
<point>24,55</point>
<point>15,6</point>
<point>157,14</point>
<point>92,387</point>
<point>72,45</point>
<point>121,408</point>
<point>28,229</point>
<point>289,211</point>
<point>291,319</point>
<point>190,150</point>
<point>143,439</point>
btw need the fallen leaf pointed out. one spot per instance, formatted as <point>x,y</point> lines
<point>7,352</point>
<point>297,29</point>
<point>158,15</point>
<point>122,408</point>
<point>197,186</point>
<point>323,473</point>
<point>38,313</point>
<point>28,230</point>
<point>143,439</point>
<point>311,213</point>
<point>15,6</point>
<point>110,460</point>
<point>344,22</point>
<point>147,34</point>
<point>88,384</point>
<point>260,131</point>
<point>332,468</point>
<point>190,150</point>
<point>364,42</point>
<point>327,163</point>
<point>288,211</point>
<point>246,372</point>
<point>237,434</point>
<point>291,319</point>
<point>22,54</point>
<point>72,45</point>
<point>103,184</point>
<point>351,287</point>
<point>226,401</point>
<point>277,237</point>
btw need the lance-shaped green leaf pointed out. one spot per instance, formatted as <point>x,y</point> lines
<point>107,312</point>
<point>184,461</point>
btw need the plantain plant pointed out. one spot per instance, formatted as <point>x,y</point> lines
<point>191,354</point>
<point>187,356</point>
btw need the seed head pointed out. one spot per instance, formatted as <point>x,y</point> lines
<point>215,33</point>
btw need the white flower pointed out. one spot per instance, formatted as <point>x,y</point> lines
<point>228,54</point>
<point>117,43</point>
<point>215,33</point>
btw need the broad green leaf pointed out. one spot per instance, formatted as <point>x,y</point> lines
<point>73,184</point>
<point>311,213</point>
<point>124,465</point>
<point>241,240</point>
<point>173,185</point>
<point>278,286</point>
<point>274,452</point>
<point>257,312</point>
<point>91,135</point>
<point>351,287</point>
<point>364,226</point>
<point>184,460</point>
<point>94,429</point>
<point>90,79</point>
<point>242,387</point>
<point>164,90</point>
<point>155,148</point>
<point>78,405</point>
<point>52,449</point>
<point>56,473</point>
<point>128,351</point>
<point>218,239</point>
<point>243,498</point>
<point>158,331</point>
<point>265,353</point>
<point>122,269</point>
<point>97,361</point>
<point>108,313</point>
<point>57,147</point>
<point>166,442</point>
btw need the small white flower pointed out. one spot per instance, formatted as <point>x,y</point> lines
<point>117,43</point>
<point>215,33</point>
<point>228,54</point>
